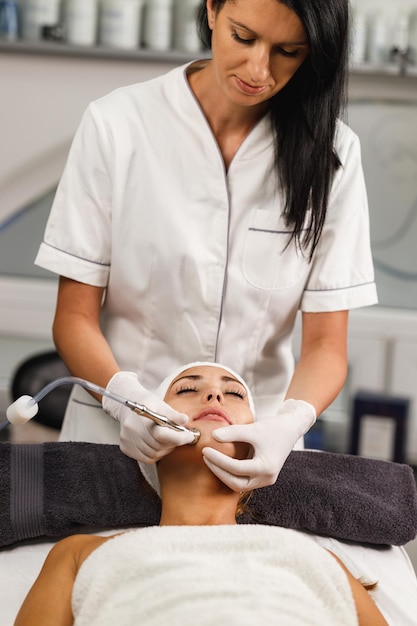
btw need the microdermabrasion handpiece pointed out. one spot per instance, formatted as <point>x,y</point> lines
<point>26,407</point>
<point>161,420</point>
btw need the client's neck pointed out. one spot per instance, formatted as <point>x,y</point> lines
<point>196,499</point>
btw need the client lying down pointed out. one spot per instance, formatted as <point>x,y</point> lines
<point>198,565</point>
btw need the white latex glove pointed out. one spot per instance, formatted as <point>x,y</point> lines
<point>140,437</point>
<point>271,438</point>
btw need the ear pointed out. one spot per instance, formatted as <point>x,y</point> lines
<point>211,14</point>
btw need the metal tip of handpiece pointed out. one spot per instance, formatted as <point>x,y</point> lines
<point>197,435</point>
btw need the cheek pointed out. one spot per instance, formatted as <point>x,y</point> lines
<point>226,52</point>
<point>242,413</point>
<point>283,71</point>
<point>242,450</point>
<point>182,403</point>
<point>179,407</point>
<point>236,450</point>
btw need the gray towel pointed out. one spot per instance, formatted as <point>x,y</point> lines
<point>58,489</point>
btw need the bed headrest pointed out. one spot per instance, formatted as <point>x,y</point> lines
<point>57,489</point>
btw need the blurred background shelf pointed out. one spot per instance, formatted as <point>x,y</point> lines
<point>21,46</point>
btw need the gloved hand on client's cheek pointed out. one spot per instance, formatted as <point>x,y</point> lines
<point>272,439</point>
<point>140,438</point>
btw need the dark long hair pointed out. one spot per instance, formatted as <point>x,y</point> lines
<point>304,115</point>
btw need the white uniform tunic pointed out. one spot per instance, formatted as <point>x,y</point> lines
<point>193,258</point>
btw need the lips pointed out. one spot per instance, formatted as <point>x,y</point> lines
<point>212,414</point>
<point>249,89</point>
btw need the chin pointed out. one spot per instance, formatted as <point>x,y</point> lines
<point>236,450</point>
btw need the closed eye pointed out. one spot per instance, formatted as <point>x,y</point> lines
<point>292,54</point>
<point>185,390</point>
<point>238,394</point>
<point>245,42</point>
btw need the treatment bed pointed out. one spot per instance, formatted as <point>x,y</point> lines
<point>361,509</point>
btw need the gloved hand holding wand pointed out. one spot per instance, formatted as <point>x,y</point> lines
<point>140,438</point>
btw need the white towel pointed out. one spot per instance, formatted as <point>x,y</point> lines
<point>212,576</point>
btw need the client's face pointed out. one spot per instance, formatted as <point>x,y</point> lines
<point>212,398</point>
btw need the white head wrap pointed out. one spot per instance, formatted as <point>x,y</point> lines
<point>150,471</point>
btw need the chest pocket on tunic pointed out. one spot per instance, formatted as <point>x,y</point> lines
<point>267,262</point>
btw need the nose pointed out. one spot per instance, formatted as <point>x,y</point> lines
<point>259,64</point>
<point>214,396</point>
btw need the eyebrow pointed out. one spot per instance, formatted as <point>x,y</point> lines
<point>199,377</point>
<point>281,43</point>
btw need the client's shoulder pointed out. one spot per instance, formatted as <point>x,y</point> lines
<point>76,548</point>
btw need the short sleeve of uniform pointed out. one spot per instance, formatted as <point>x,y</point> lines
<point>77,242</point>
<point>342,273</point>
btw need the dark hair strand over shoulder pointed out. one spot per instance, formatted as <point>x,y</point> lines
<point>304,115</point>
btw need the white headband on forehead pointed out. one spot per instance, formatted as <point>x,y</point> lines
<point>149,471</point>
<point>165,385</point>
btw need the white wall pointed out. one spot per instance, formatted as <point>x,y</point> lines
<point>40,110</point>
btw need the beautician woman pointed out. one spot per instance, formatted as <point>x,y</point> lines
<point>197,213</point>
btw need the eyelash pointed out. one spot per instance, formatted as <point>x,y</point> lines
<point>248,42</point>
<point>185,390</point>
<point>239,394</point>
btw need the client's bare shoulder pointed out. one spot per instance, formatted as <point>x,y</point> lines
<point>78,547</point>
<point>366,609</point>
<point>49,600</point>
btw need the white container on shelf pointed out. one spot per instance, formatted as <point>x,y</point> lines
<point>120,23</point>
<point>185,28</point>
<point>157,24</point>
<point>378,40</point>
<point>80,21</point>
<point>38,13</point>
